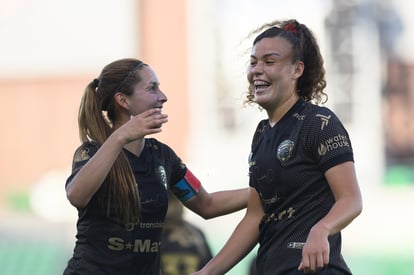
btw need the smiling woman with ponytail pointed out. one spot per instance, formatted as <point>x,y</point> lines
<point>120,178</point>
<point>96,116</point>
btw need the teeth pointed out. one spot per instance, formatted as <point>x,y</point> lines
<point>258,83</point>
<point>261,85</point>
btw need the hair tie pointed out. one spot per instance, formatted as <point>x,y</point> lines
<point>291,28</point>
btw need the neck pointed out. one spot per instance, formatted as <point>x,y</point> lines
<point>279,111</point>
<point>135,146</point>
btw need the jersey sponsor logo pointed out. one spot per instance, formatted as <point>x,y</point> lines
<point>333,143</point>
<point>295,245</point>
<point>324,119</point>
<point>147,225</point>
<point>284,150</point>
<point>139,246</point>
<point>284,214</point>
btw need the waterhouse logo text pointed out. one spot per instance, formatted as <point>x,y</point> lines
<point>333,143</point>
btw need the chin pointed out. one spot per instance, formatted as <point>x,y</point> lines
<point>262,104</point>
<point>260,101</point>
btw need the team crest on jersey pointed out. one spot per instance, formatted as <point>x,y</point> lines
<point>284,150</point>
<point>163,176</point>
<point>250,161</point>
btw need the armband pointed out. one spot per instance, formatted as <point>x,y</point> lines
<point>187,187</point>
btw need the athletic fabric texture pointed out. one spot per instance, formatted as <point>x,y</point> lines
<point>286,166</point>
<point>106,246</point>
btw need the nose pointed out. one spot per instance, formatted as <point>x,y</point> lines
<point>161,96</point>
<point>253,71</point>
<point>257,68</point>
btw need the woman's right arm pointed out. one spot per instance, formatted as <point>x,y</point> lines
<point>241,242</point>
<point>90,177</point>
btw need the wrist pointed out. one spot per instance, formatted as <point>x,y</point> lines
<point>321,229</point>
<point>117,140</point>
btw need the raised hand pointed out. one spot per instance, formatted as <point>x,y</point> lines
<point>145,123</point>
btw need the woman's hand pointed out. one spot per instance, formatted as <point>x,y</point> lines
<point>348,205</point>
<point>145,123</point>
<point>315,253</point>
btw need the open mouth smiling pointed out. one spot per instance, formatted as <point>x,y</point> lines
<point>261,85</point>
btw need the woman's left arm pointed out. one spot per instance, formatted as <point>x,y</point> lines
<point>348,200</point>
<point>211,205</point>
<point>348,205</point>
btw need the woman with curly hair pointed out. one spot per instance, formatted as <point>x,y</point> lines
<point>303,185</point>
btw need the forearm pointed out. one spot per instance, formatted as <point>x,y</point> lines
<point>211,205</point>
<point>342,213</point>
<point>241,242</point>
<point>348,205</point>
<point>91,176</point>
<point>348,200</point>
<point>229,201</point>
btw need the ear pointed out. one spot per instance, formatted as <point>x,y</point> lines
<point>121,100</point>
<point>299,67</point>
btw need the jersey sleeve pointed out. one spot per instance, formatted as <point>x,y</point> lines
<point>182,181</point>
<point>327,139</point>
<point>177,168</point>
<point>81,157</point>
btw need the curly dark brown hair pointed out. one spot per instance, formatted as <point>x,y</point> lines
<point>305,48</point>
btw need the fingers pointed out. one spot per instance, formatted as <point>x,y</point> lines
<point>312,263</point>
<point>145,123</point>
<point>151,112</point>
<point>152,120</point>
<point>157,120</point>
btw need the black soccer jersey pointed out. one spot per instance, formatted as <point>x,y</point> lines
<point>105,246</point>
<point>287,165</point>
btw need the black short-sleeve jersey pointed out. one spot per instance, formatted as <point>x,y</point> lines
<point>286,166</point>
<point>106,246</point>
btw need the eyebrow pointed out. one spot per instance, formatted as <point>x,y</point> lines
<point>267,55</point>
<point>152,84</point>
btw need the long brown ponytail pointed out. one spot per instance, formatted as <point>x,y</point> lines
<point>96,113</point>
